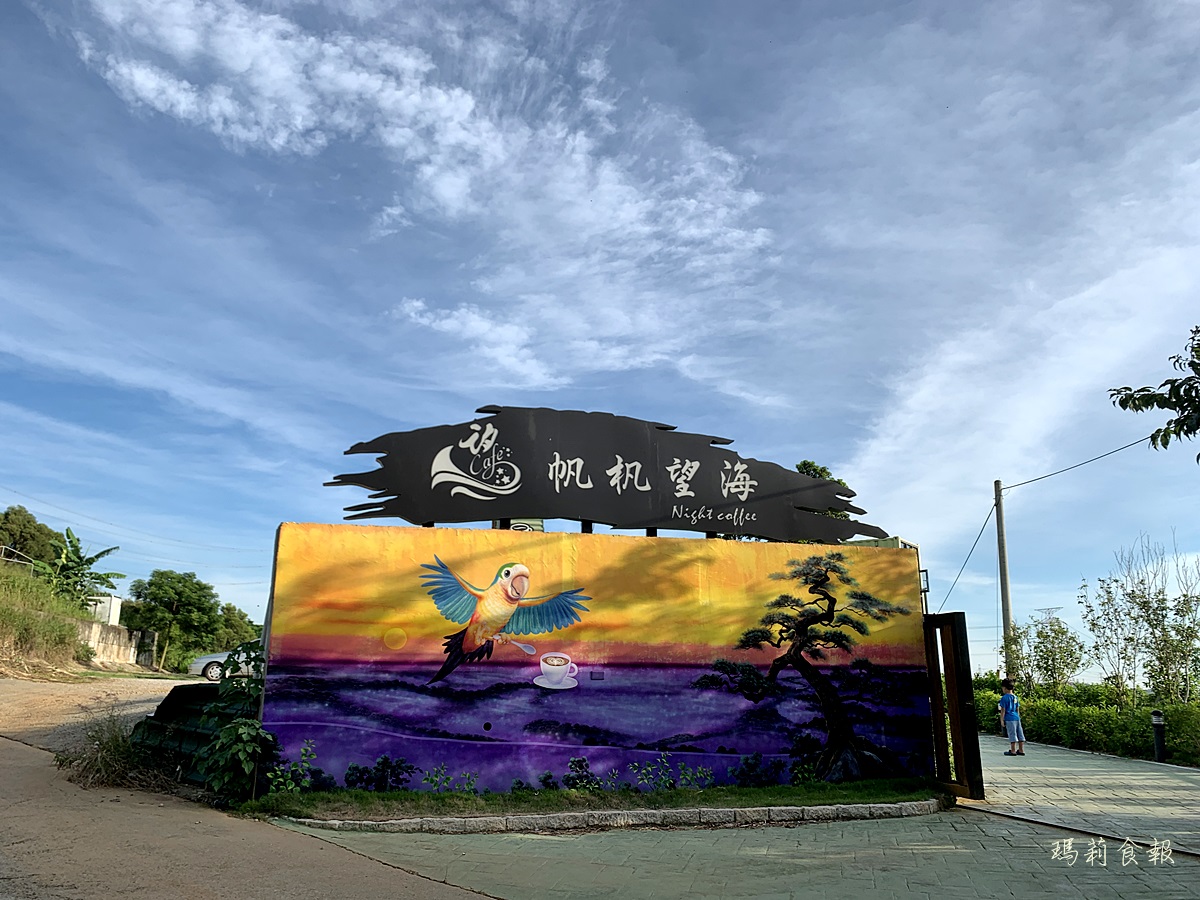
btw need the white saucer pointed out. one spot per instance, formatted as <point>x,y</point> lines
<point>567,682</point>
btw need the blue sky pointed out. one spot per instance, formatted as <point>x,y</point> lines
<point>914,242</point>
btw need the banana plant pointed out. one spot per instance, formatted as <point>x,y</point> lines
<point>71,575</point>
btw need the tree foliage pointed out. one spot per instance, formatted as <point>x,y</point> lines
<point>1179,395</point>
<point>1056,653</point>
<point>20,530</point>
<point>72,575</point>
<point>1164,592</point>
<point>183,609</point>
<point>1118,633</point>
<point>1145,624</point>
<point>816,470</point>
<point>1018,656</point>
<point>235,629</point>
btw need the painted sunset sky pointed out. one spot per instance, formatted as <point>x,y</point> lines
<point>352,593</point>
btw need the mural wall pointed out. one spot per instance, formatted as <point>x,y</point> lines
<point>504,653</point>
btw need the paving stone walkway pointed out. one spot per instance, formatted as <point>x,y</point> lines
<point>964,854</point>
<point>1099,795</point>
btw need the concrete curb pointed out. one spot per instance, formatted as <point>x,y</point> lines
<point>599,820</point>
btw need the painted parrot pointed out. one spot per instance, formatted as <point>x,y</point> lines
<point>494,613</point>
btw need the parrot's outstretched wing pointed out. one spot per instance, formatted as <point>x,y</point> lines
<point>454,597</point>
<point>541,615</point>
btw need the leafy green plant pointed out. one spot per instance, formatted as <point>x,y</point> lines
<point>656,774</point>
<point>441,781</point>
<point>546,781</point>
<point>1179,395</point>
<point>71,575</point>
<point>466,783</point>
<point>800,772</point>
<point>84,653</point>
<point>386,775</point>
<point>293,777</point>
<point>241,748</point>
<point>437,779</point>
<point>240,696</point>
<point>229,763</point>
<point>697,778</point>
<point>1099,727</point>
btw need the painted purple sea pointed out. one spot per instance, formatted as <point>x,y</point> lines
<point>496,722</point>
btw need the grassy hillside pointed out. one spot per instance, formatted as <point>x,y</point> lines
<point>33,622</point>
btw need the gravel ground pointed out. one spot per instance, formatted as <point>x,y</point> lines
<point>53,715</point>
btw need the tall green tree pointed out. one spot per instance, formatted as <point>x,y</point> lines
<point>72,574</point>
<point>826,618</point>
<point>184,610</point>
<point>1163,592</point>
<point>1179,395</point>
<point>1018,656</point>
<point>235,628</point>
<point>20,530</point>
<point>1118,635</point>
<point>1056,653</point>
<point>816,470</point>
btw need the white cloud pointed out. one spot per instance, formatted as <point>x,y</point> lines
<point>1019,398</point>
<point>574,224</point>
<point>390,220</point>
<point>504,346</point>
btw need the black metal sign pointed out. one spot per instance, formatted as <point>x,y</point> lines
<point>561,464</point>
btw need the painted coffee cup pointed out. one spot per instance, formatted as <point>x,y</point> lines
<point>557,666</point>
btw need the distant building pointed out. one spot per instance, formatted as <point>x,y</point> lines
<point>902,544</point>
<point>106,608</point>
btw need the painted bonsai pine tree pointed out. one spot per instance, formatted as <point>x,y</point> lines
<point>807,629</point>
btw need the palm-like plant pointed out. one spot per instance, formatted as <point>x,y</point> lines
<point>71,575</point>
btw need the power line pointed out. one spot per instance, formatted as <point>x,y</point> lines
<point>138,557</point>
<point>1009,487</point>
<point>969,552</point>
<point>998,508</point>
<point>153,538</point>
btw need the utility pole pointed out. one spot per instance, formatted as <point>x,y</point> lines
<point>1002,548</point>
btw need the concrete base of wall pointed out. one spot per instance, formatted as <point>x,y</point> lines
<point>117,644</point>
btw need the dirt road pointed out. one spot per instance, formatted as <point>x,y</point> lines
<point>60,842</point>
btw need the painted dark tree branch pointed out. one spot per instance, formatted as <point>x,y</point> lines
<point>807,629</point>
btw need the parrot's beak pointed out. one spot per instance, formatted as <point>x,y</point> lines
<point>519,586</point>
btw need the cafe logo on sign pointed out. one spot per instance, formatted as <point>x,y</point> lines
<point>489,471</point>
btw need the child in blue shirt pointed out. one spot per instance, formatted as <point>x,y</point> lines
<point>1011,706</point>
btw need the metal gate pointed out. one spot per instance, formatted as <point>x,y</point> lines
<point>956,761</point>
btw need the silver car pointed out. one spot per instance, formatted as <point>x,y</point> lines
<point>209,666</point>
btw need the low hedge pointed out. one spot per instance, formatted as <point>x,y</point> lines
<point>1100,729</point>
